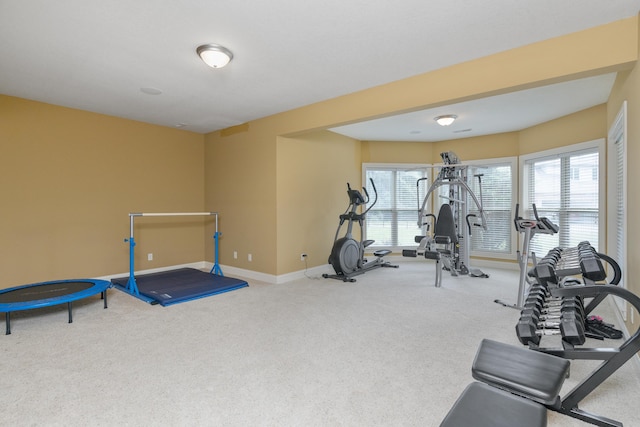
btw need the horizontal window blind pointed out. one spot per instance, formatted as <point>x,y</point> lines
<point>393,221</point>
<point>496,180</point>
<point>497,200</point>
<point>565,189</point>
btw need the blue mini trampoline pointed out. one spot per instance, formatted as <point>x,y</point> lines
<point>46,294</point>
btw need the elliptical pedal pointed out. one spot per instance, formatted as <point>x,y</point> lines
<point>382,252</point>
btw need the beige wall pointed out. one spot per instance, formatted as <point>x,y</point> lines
<point>68,180</point>
<point>313,171</point>
<point>240,184</point>
<point>482,147</point>
<point>586,125</point>
<point>396,152</point>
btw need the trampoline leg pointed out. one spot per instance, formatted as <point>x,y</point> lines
<point>8,322</point>
<point>104,297</point>
<point>70,315</point>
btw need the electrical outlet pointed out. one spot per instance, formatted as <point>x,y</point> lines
<point>249,257</point>
<point>235,254</point>
<point>149,257</point>
<point>303,256</point>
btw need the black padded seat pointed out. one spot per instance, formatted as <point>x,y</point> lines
<point>445,224</point>
<point>481,405</point>
<point>538,376</point>
<point>432,255</point>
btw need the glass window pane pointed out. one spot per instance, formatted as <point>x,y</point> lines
<point>565,189</point>
<point>379,227</point>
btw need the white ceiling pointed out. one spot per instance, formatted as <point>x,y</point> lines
<point>97,55</point>
<point>503,113</point>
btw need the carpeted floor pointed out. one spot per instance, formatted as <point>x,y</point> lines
<point>388,350</point>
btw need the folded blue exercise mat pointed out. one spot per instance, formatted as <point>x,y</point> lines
<point>185,284</point>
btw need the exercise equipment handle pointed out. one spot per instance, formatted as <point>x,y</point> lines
<point>469,223</point>
<point>375,192</point>
<point>418,199</point>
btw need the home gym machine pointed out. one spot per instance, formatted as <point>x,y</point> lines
<point>528,227</point>
<point>347,254</point>
<point>450,243</point>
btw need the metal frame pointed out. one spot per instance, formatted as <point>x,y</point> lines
<point>132,286</point>
<point>453,174</point>
<point>613,358</point>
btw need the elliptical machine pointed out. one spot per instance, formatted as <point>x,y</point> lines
<point>529,227</point>
<point>347,254</point>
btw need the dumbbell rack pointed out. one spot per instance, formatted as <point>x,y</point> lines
<point>552,272</point>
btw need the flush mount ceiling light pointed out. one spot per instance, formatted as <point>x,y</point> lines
<point>215,56</point>
<point>445,120</point>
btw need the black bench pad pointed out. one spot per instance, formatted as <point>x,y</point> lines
<point>481,405</point>
<point>432,255</point>
<point>535,375</point>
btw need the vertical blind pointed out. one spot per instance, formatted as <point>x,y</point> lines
<point>565,189</point>
<point>617,195</point>
<point>619,199</point>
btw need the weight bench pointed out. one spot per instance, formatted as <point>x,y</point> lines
<point>517,386</point>
<point>535,377</point>
<point>531,374</point>
<point>481,405</point>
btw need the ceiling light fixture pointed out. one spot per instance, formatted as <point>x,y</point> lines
<point>215,56</point>
<point>445,120</point>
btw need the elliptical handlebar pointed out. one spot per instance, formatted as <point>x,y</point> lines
<point>356,199</point>
<point>375,192</point>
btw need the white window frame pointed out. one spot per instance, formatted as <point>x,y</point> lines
<point>599,145</point>
<point>514,197</point>
<point>404,166</point>
<point>432,172</point>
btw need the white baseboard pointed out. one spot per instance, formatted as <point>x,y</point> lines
<point>199,265</point>
<point>283,278</point>
<point>270,278</point>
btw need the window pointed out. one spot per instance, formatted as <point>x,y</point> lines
<point>491,180</point>
<point>498,189</point>
<point>393,221</point>
<point>565,186</point>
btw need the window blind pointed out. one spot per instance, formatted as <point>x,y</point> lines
<point>497,200</point>
<point>393,221</point>
<point>565,189</point>
<point>496,179</point>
